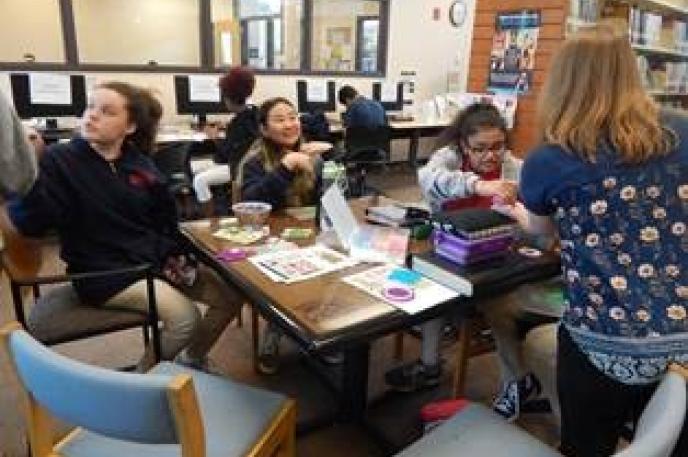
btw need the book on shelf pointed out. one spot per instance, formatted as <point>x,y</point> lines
<point>649,28</point>
<point>585,10</point>
<point>662,77</point>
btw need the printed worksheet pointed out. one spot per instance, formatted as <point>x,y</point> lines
<point>301,264</point>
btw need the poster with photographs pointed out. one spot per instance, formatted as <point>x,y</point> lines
<point>513,52</point>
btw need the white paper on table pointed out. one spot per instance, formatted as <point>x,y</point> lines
<point>427,293</point>
<point>204,88</point>
<point>50,89</point>
<point>316,91</point>
<point>301,264</point>
<point>337,209</point>
<point>388,92</point>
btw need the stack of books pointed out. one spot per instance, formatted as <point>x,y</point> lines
<point>473,254</point>
<point>472,235</point>
<point>397,215</point>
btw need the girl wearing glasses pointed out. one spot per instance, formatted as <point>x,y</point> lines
<point>466,173</point>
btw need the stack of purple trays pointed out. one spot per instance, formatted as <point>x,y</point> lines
<point>465,252</point>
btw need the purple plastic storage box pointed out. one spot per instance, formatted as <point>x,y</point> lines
<point>463,252</point>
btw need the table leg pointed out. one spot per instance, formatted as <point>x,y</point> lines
<point>462,355</point>
<point>413,149</point>
<point>354,395</point>
<point>255,337</point>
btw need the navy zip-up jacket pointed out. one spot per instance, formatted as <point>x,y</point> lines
<point>271,187</point>
<point>107,214</point>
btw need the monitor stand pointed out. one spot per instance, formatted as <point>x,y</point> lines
<point>51,124</point>
<point>201,120</point>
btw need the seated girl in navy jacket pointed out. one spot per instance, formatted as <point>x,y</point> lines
<point>282,170</point>
<point>111,208</point>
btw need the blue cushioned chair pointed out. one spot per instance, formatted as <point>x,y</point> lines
<point>171,411</point>
<point>477,431</point>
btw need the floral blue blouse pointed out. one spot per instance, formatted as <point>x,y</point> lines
<point>624,240</point>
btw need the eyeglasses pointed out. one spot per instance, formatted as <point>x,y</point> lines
<point>497,149</point>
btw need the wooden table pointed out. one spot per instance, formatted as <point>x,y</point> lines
<point>321,313</point>
<point>326,313</point>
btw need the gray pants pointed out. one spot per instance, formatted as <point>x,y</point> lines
<point>182,323</point>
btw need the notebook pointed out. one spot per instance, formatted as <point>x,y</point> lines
<point>474,223</point>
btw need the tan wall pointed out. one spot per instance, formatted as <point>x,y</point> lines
<point>162,30</point>
<point>39,33</point>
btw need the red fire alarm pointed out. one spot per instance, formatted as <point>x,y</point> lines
<point>436,14</point>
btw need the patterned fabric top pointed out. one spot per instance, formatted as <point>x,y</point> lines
<point>624,241</point>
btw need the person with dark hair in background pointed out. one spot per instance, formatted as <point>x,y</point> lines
<point>111,209</point>
<point>283,170</point>
<point>360,111</point>
<point>465,172</point>
<point>611,178</point>
<point>236,87</point>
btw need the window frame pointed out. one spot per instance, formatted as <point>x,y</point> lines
<point>206,51</point>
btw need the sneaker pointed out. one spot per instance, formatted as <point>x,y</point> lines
<point>413,376</point>
<point>514,394</point>
<point>268,358</point>
<point>202,364</point>
<point>529,388</point>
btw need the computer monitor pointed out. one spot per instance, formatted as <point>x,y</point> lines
<point>44,95</point>
<point>390,96</point>
<point>315,99</point>
<point>198,96</point>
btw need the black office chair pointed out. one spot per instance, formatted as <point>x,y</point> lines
<point>365,148</point>
<point>172,161</point>
<point>315,127</point>
<point>59,315</point>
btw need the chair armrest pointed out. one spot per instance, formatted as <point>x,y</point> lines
<point>55,279</point>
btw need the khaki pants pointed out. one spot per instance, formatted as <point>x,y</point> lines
<point>182,323</point>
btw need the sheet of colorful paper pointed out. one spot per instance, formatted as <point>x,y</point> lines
<point>425,293</point>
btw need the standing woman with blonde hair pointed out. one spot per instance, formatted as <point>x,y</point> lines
<point>612,179</point>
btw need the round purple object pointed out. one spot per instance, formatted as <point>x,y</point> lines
<point>398,293</point>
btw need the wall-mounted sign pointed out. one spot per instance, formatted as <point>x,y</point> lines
<point>513,52</point>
